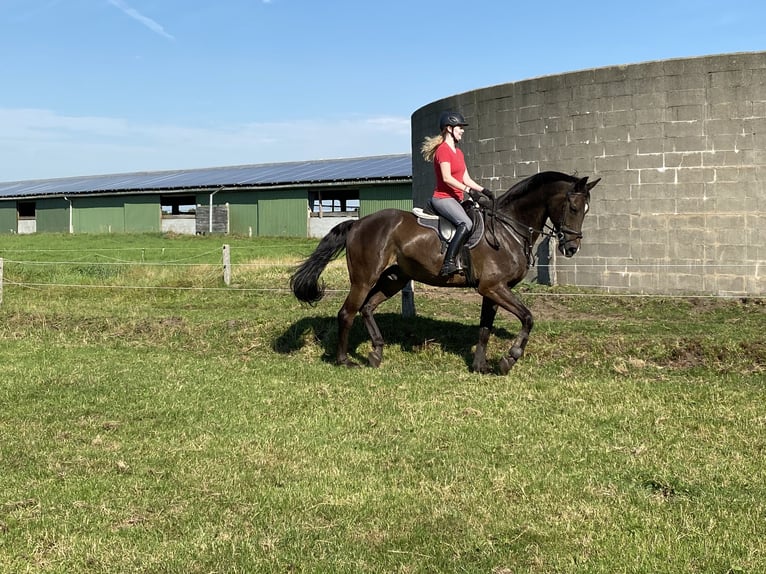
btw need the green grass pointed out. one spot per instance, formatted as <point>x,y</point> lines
<point>203,429</point>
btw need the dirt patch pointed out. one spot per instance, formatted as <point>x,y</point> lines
<point>745,356</point>
<point>687,354</point>
<point>555,309</point>
<point>712,303</point>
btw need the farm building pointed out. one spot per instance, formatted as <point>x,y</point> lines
<point>296,199</point>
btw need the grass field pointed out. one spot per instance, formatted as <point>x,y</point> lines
<point>154,420</point>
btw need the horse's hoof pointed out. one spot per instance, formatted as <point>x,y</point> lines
<point>374,359</point>
<point>347,363</point>
<point>506,364</point>
<point>481,368</point>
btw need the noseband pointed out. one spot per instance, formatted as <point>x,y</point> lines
<point>562,230</point>
<point>523,231</point>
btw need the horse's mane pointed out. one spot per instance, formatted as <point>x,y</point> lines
<point>524,186</point>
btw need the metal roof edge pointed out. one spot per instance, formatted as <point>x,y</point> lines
<point>206,169</point>
<point>210,188</point>
<point>364,170</point>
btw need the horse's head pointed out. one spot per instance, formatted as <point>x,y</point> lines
<point>574,206</point>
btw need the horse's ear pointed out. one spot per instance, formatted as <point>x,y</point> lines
<point>592,184</point>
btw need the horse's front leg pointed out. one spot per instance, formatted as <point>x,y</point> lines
<point>503,296</point>
<point>488,312</point>
<point>520,343</point>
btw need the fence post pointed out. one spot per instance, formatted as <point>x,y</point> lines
<point>552,262</point>
<point>408,300</point>
<point>226,265</point>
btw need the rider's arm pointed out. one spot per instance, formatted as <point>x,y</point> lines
<point>446,171</point>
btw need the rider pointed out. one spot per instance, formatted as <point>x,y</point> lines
<point>452,181</point>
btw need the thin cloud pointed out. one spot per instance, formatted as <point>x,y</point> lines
<point>40,143</point>
<point>145,20</point>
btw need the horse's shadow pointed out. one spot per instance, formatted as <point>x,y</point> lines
<point>409,334</point>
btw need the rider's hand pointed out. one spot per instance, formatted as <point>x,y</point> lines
<point>482,198</point>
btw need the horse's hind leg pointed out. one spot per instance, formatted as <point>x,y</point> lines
<point>387,286</point>
<point>375,356</point>
<point>346,315</point>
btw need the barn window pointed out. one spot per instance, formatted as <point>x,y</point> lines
<point>178,205</point>
<point>334,202</point>
<point>26,209</point>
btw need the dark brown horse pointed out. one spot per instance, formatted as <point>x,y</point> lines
<point>386,249</point>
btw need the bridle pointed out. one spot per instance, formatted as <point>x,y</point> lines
<point>562,230</point>
<point>523,232</point>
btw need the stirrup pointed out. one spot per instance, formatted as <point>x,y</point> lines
<point>449,268</point>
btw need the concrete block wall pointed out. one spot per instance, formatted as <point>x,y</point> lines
<point>680,146</point>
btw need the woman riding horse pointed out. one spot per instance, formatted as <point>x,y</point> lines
<point>452,181</point>
<point>388,248</point>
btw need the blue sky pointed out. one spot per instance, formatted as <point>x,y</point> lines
<point>107,86</point>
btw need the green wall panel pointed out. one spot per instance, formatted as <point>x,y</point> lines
<point>267,213</point>
<point>143,214</point>
<point>283,213</point>
<point>243,211</point>
<point>52,215</point>
<point>243,219</point>
<point>99,215</point>
<point>372,199</point>
<point>8,217</point>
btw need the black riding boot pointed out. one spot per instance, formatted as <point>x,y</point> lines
<point>454,247</point>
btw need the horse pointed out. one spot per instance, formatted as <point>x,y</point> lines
<point>388,248</point>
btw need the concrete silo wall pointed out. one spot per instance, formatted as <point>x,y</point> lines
<point>680,146</point>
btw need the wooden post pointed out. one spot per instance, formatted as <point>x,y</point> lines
<point>226,265</point>
<point>408,300</point>
<point>552,262</point>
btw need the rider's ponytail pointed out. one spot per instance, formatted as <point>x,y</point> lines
<point>428,149</point>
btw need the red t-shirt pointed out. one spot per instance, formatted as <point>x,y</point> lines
<point>456,160</point>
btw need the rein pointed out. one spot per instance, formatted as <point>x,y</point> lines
<point>524,238</point>
<point>559,231</point>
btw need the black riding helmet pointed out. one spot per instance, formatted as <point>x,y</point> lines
<point>451,119</point>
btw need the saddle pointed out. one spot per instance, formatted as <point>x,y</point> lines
<point>445,229</point>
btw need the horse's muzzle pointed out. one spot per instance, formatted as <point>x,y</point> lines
<point>570,248</point>
<point>569,242</point>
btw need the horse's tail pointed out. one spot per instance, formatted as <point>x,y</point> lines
<point>305,281</point>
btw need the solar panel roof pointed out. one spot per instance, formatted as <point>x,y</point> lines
<point>375,168</point>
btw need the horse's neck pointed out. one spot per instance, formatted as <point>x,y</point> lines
<point>526,211</point>
<point>534,207</point>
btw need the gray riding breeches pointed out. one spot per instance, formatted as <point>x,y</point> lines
<point>452,210</point>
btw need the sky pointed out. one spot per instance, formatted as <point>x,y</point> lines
<point>110,86</point>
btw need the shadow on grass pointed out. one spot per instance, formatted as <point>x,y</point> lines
<point>409,334</point>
